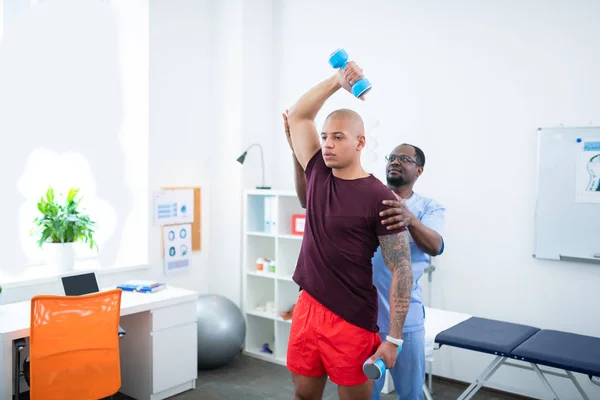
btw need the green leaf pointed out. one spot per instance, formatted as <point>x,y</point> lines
<point>50,195</point>
<point>72,193</point>
<point>45,235</point>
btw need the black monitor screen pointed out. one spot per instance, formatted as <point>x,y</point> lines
<point>77,285</point>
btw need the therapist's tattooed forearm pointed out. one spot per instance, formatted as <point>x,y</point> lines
<point>395,250</point>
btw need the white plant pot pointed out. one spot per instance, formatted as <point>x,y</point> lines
<point>60,256</point>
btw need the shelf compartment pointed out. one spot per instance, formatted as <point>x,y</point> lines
<point>283,335</point>
<point>260,331</point>
<point>288,253</point>
<point>287,296</point>
<point>288,206</point>
<point>262,274</point>
<point>261,216</point>
<point>258,247</point>
<point>260,296</point>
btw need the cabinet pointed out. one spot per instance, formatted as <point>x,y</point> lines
<point>267,233</point>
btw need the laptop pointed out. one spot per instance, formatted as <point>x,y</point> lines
<point>77,285</point>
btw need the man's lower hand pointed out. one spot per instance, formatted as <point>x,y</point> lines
<point>388,352</point>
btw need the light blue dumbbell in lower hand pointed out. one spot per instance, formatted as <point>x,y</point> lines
<point>338,59</point>
<point>376,369</point>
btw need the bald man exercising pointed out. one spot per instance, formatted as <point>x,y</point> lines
<point>334,325</point>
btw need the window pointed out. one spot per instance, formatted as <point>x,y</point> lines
<point>74,113</point>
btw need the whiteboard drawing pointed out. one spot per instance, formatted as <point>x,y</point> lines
<point>588,173</point>
<point>593,167</point>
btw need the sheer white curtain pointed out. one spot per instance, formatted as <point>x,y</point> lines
<point>74,113</point>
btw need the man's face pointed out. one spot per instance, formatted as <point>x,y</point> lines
<point>340,146</point>
<point>402,167</point>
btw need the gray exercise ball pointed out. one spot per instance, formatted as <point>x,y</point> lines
<point>221,331</point>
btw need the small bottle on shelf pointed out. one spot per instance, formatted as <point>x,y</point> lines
<point>260,264</point>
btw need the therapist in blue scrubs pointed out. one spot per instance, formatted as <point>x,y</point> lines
<point>424,219</point>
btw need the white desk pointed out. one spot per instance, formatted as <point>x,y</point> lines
<point>158,353</point>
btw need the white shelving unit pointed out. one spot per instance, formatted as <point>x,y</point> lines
<point>263,325</point>
<point>281,245</point>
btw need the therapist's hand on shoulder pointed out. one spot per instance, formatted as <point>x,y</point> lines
<point>397,215</point>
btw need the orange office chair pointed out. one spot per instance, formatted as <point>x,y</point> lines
<point>74,346</point>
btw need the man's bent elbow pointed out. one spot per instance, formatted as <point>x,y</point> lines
<point>302,201</point>
<point>293,115</point>
<point>297,116</point>
<point>433,251</point>
<point>438,248</point>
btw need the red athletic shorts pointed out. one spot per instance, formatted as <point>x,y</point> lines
<point>322,343</point>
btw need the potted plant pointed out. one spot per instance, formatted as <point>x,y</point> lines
<point>0,294</point>
<point>61,225</point>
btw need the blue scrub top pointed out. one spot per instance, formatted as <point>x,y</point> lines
<point>431,214</point>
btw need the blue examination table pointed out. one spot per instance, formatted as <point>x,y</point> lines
<point>537,347</point>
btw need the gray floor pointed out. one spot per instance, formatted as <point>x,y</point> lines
<point>247,378</point>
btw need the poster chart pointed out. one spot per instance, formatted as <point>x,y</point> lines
<point>587,179</point>
<point>173,207</point>
<point>177,241</point>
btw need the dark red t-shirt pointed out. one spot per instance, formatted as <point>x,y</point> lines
<point>340,238</point>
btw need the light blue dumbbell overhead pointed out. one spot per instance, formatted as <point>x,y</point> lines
<point>338,59</point>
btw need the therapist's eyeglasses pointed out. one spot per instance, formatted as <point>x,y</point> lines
<point>402,159</point>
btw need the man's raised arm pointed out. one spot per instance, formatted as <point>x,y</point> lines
<point>301,119</point>
<point>395,249</point>
<point>299,177</point>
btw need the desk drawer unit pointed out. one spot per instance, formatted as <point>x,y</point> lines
<point>159,356</point>
<point>175,357</point>
<point>172,316</point>
<point>174,349</point>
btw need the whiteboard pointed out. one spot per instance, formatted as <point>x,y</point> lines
<point>567,213</point>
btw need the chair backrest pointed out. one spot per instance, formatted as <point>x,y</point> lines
<point>74,346</point>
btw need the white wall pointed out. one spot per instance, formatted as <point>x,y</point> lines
<point>95,82</point>
<point>469,82</point>
<point>224,137</point>
<point>246,69</point>
<point>181,33</point>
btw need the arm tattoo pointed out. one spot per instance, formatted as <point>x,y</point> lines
<point>395,250</point>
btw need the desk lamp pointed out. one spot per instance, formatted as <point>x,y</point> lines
<point>242,158</point>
